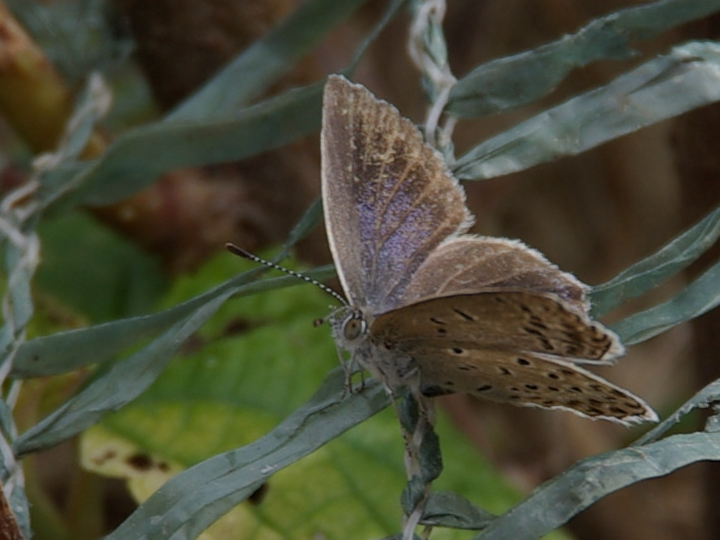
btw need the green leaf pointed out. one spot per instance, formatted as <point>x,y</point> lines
<point>232,391</point>
<point>67,351</point>
<point>115,387</point>
<point>658,267</point>
<point>664,87</point>
<point>516,80</point>
<point>103,277</point>
<point>192,500</point>
<point>267,60</point>
<point>125,380</point>
<point>698,297</point>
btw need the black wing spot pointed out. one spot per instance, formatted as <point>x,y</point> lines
<point>531,386</point>
<point>537,322</point>
<point>441,331</point>
<point>574,403</point>
<point>483,388</point>
<point>437,321</point>
<point>553,388</point>
<point>435,390</point>
<point>505,371</point>
<point>553,376</point>
<point>464,315</point>
<point>618,410</point>
<point>635,405</point>
<point>523,361</point>
<point>576,389</point>
<point>457,350</point>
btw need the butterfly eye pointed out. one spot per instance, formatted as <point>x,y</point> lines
<point>354,327</point>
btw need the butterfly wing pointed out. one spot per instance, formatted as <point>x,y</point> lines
<point>530,381</point>
<point>515,320</point>
<point>476,263</point>
<point>388,198</point>
<point>510,346</point>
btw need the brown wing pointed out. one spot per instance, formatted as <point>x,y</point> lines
<point>511,347</point>
<point>388,198</point>
<point>527,380</point>
<point>503,320</point>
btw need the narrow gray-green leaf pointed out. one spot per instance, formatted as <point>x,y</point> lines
<point>135,159</point>
<point>92,104</point>
<point>19,309</point>
<point>188,503</point>
<point>115,387</point>
<point>698,297</point>
<point>555,502</point>
<point>387,16</point>
<point>448,509</point>
<point>310,218</point>
<point>653,270</point>
<point>21,510</point>
<point>267,59</point>
<point>516,80</point>
<point>664,87</point>
<point>703,399</point>
<point>66,351</point>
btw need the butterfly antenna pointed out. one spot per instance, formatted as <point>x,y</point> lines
<point>240,252</point>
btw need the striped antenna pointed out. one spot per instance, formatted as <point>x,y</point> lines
<point>240,252</point>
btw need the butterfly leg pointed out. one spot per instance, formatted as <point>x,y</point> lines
<point>350,367</point>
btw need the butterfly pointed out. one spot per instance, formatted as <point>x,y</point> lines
<point>435,307</point>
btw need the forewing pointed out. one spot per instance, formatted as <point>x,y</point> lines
<point>388,198</point>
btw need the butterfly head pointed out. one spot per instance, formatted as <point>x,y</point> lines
<point>354,327</point>
<point>349,327</point>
